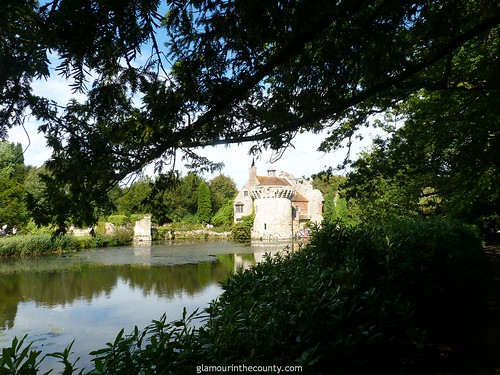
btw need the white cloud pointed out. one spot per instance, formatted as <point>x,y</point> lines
<point>33,143</point>
<point>303,160</point>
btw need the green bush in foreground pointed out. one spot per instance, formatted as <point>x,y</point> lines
<point>350,302</point>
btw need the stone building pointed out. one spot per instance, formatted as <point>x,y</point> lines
<point>282,204</point>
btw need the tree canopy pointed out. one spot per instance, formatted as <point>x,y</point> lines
<point>162,79</point>
<point>12,188</point>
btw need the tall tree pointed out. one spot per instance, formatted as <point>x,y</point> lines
<point>12,161</point>
<point>12,206</point>
<point>12,175</point>
<point>174,197</point>
<point>442,161</point>
<point>222,188</point>
<point>204,211</point>
<point>134,198</point>
<point>231,72</point>
<point>336,206</point>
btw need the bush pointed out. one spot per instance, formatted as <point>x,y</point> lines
<point>298,309</point>
<point>32,228</point>
<point>433,262</point>
<point>242,231</point>
<point>136,217</point>
<point>118,220</point>
<point>120,238</point>
<point>225,215</point>
<point>356,299</point>
<point>352,300</point>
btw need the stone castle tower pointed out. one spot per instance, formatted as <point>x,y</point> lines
<point>282,205</point>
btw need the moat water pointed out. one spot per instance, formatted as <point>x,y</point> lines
<point>90,296</point>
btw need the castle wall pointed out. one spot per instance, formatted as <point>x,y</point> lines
<point>242,205</point>
<point>271,199</point>
<point>303,207</point>
<point>243,198</point>
<point>316,206</point>
<point>273,218</point>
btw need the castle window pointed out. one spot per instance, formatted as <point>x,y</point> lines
<point>265,226</point>
<point>239,208</point>
<point>245,193</point>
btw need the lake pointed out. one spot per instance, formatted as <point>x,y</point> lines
<point>90,296</point>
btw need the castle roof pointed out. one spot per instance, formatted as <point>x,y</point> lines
<point>299,198</point>
<point>272,180</point>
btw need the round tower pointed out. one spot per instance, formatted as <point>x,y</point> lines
<point>273,211</point>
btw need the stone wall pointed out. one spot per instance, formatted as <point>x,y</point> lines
<point>270,199</point>
<point>273,218</point>
<point>142,231</point>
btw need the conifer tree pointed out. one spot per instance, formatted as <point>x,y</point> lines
<point>204,212</point>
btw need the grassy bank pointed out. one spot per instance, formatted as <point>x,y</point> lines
<point>40,244</point>
<point>183,231</point>
<point>355,300</point>
<point>46,243</point>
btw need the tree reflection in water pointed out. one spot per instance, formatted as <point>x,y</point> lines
<point>90,296</point>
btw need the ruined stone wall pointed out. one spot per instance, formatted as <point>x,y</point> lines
<point>142,231</point>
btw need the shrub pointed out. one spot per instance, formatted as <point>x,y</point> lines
<point>136,217</point>
<point>120,238</point>
<point>347,301</point>
<point>118,220</point>
<point>242,231</point>
<point>225,215</point>
<point>299,309</point>
<point>32,228</point>
<point>431,262</point>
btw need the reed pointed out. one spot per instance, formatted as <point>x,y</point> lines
<point>41,244</point>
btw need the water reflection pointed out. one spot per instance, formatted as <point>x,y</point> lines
<point>89,280</point>
<point>90,296</point>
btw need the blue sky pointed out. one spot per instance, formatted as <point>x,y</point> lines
<point>302,160</point>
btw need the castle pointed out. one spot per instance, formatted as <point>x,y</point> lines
<point>282,204</point>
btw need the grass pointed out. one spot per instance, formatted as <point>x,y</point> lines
<point>41,244</point>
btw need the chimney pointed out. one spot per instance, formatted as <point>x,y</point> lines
<point>271,172</point>
<point>252,173</point>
